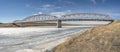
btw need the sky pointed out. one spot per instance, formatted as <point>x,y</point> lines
<point>11,10</point>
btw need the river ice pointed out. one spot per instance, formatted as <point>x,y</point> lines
<point>34,39</point>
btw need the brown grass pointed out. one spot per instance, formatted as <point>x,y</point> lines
<point>98,39</point>
<point>26,24</point>
<point>41,24</point>
<point>7,25</point>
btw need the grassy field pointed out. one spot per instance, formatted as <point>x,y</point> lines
<point>97,39</point>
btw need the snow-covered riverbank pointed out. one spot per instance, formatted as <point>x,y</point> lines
<point>34,39</point>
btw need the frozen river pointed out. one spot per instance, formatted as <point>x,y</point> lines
<point>34,39</point>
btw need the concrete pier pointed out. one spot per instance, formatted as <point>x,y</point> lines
<point>21,25</point>
<point>59,25</point>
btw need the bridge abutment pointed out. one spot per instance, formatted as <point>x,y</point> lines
<point>59,25</point>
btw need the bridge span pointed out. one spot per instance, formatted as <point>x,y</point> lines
<point>66,17</point>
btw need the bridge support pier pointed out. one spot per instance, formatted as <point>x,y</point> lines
<point>21,25</point>
<point>59,25</point>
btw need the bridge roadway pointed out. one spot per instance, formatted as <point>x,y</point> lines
<point>67,17</point>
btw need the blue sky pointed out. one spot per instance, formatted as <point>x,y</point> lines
<point>11,10</point>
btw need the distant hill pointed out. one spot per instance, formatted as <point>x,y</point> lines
<point>98,39</point>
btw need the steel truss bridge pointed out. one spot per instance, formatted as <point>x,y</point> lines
<point>66,17</point>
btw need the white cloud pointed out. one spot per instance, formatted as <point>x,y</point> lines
<point>93,1</point>
<point>60,0</point>
<point>35,14</point>
<point>40,13</point>
<point>114,14</point>
<point>67,1</point>
<point>103,1</point>
<point>27,5</point>
<point>59,14</point>
<point>48,7</point>
<point>45,7</point>
<point>69,11</point>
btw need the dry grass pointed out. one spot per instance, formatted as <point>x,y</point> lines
<point>98,39</point>
<point>26,24</point>
<point>7,25</point>
<point>40,24</point>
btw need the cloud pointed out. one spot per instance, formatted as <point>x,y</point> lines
<point>93,1</point>
<point>40,13</point>
<point>103,1</point>
<point>27,5</point>
<point>30,6</point>
<point>48,7</point>
<point>67,1</point>
<point>59,14</point>
<point>69,11</point>
<point>115,16</point>
<point>44,7</point>
<point>59,0</point>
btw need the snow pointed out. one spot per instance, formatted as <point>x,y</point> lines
<point>20,31</point>
<point>34,39</point>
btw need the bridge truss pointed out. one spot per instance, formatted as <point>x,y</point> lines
<point>67,17</point>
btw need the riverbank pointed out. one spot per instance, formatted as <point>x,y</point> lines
<point>97,39</point>
<point>33,24</point>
